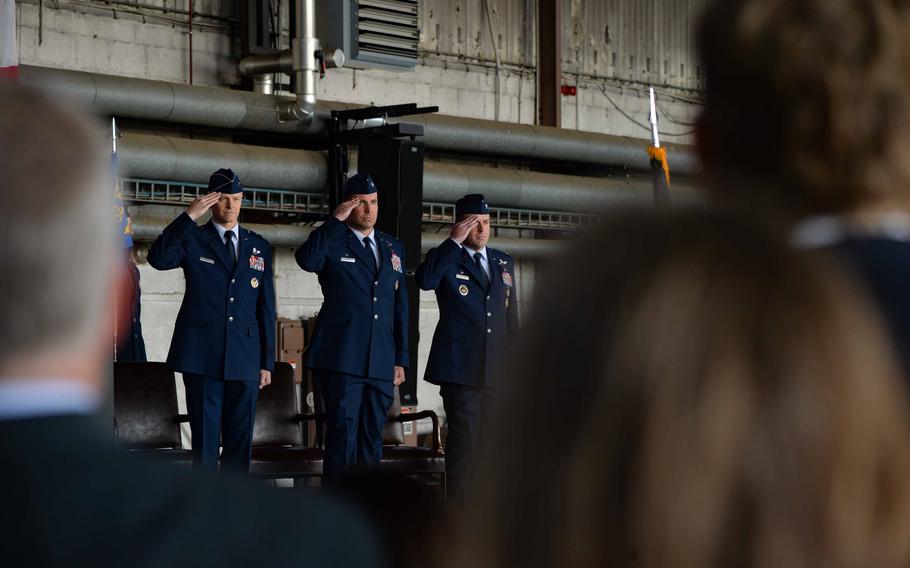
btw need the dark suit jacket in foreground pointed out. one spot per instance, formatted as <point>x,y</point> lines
<point>226,325</point>
<point>362,328</point>
<point>71,498</point>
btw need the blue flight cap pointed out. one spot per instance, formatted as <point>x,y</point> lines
<point>359,184</point>
<point>225,181</point>
<point>471,204</point>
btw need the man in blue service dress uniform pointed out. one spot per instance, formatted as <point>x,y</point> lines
<point>475,291</point>
<point>359,349</point>
<point>224,338</point>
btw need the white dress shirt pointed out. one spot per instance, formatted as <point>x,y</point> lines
<point>372,237</point>
<point>484,262</point>
<point>236,228</point>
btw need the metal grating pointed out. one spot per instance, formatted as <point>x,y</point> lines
<point>168,192</point>
<point>171,193</point>
<point>514,218</point>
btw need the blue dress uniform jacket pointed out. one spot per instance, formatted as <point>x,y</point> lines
<point>362,328</point>
<point>476,322</point>
<point>226,325</point>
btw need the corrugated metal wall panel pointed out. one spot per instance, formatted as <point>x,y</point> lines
<point>646,41</point>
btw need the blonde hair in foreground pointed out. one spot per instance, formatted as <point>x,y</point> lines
<point>697,394</point>
<point>56,225</point>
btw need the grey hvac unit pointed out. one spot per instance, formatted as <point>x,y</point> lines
<point>372,33</point>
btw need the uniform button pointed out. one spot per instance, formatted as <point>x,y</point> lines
<point>232,299</point>
<point>489,314</point>
<point>489,330</point>
<point>376,317</point>
<point>376,283</point>
<point>488,297</point>
<point>375,298</point>
<point>232,280</point>
<point>231,318</point>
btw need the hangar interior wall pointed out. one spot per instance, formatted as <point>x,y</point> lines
<point>612,49</point>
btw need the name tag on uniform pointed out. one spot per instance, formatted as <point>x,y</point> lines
<point>348,259</point>
<point>208,260</point>
<point>462,277</point>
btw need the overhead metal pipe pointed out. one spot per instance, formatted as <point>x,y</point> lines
<point>109,95</point>
<point>176,103</point>
<point>283,62</point>
<point>264,83</point>
<point>304,50</point>
<point>252,65</point>
<point>543,144</point>
<point>182,159</point>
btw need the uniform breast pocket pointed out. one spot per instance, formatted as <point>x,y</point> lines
<point>252,330</point>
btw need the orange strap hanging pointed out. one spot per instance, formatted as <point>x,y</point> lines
<point>660,154</point>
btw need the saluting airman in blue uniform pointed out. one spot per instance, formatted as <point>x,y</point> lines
<point>475,291</point>
<point>224,338</point>
<point>359,349</point>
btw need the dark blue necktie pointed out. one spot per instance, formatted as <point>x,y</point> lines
<point>368,244</point>
<point>229,244</point>
<point>477,257</point>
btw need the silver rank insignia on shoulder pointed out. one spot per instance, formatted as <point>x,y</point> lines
<point>463,290</point>
<point>255,250</point>
<point>254,282</point>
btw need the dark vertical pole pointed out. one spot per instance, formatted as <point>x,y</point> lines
<point>189,25</point>
<point>549,62</point>
<point>397,168</point>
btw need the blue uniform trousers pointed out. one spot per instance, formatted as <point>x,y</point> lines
<point>221,411</point>
<point>464,406</point>
<point>356,409</point>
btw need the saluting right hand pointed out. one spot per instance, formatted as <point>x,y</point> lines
<point>461,229</point>
<point>202,204</point>
<point>345,207</point>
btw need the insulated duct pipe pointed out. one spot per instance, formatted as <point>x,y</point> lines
<point>182,159</point>
<point>148,229</point>
<point>304,50</point>
<point>176,103</point>
<point>109,95</point>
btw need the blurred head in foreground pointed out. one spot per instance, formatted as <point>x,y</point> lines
<point>807,108</point>
<point>702,395</point>
<point>59,262</point>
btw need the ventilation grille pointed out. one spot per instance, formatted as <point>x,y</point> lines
<point>388,28</point>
